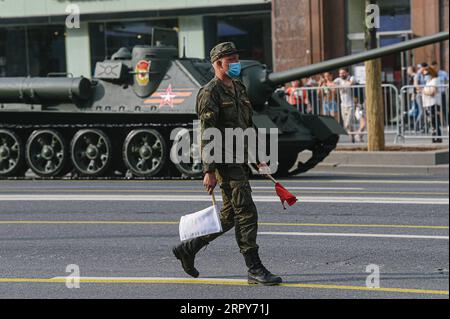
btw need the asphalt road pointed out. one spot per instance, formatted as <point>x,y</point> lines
<point>120,234</point>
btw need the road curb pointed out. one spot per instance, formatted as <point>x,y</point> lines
<point>418,170</point>
<point>389,158</point>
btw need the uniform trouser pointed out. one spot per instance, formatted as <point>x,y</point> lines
<point>238,209</point>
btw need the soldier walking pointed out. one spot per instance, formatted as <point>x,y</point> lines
<point>223,103</point>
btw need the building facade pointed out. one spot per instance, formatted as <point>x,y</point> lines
<point>36,40</point>
<point>310,31</point>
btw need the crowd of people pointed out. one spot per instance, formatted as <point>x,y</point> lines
<point>338,97</point>
<point>327,96</point>
<point>427,107</point>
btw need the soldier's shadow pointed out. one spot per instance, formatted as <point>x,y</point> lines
<point>346,277</point>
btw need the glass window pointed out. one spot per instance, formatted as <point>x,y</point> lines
<point>394,15</point>
<point>108,37</point>
<point>34,51</point>
<point>47,50</point>
<point>13,57</point>
<point>250,33</point>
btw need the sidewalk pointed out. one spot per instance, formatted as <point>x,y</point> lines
<point>403,159</point>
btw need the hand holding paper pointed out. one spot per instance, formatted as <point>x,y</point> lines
<point>201,223</point>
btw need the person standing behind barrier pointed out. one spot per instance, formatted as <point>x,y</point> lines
<point>430,96</point>
<point>414,111</point>
<point>443,80</point>
<point>314,105</point>
<point>293,93</point>
<point>328,95</point>
<point>419,82</point>
<point>306,103</point>
<point>360,114</point>
<point>347,105</point>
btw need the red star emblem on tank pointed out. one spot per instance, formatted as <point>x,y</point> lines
<point>168,97</point>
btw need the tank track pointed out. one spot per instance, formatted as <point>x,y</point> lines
<point>72,174</point>
<point>319,152</point>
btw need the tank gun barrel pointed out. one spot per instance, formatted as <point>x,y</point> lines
<point>38,90</point>
<point>279,78</point>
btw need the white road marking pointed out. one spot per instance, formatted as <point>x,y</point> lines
<point>206,198</point>
<point>313,188</point>
<point>290,181</point>
<point>353,235</point>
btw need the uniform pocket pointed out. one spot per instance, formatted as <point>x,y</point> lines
<point>241,194</point>
<point>247,111</point>
<point>228,112</point>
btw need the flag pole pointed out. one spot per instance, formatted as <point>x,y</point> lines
<point>213,198</point>
<point>273,179</point>
<point>269,176</point>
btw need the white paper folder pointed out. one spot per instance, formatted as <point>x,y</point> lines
<point>204,222</point>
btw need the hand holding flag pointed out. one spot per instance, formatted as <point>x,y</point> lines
<point>283,193</point>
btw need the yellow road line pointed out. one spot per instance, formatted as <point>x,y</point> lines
<point>22,190</point>
<point>218,282</point>
<point>119,222</point>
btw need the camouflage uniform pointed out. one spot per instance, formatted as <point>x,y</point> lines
<point>222,107</point>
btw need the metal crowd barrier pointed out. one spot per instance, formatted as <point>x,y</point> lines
<point>419,121</point>
<point>325,100</point>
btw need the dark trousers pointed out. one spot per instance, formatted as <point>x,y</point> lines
<point>434,117</point>
<point>238,209</point>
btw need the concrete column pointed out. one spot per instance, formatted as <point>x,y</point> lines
<point>306,32</point>
<point>191,28</point>
<point>78,52</point>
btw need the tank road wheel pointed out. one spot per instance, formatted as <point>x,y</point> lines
<point>144,152</point>
<point>91,152</point>
<point>46,153</point>
<point>194,167</point>
<point>11,153</point>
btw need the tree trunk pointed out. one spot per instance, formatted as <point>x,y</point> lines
<point>374,94</point>
<point>374,106</point>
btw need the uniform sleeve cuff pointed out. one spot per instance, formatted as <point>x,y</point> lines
<point>209,168</point>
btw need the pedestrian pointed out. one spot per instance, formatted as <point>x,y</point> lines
<point>360,116</point>
<point>344,82</point>
<point>223,103</point>
<point>293,94</point>
<point>430,96</point>
<point>329,96</point>
<point>414,110</point>
<point>311,86</point>
<point>305,94</point>
<point>419,82</point>
<point>443,80</point>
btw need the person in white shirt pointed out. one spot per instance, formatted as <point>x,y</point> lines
<point>347,103</point>
<point>431,102</point>
<point>443,80</point>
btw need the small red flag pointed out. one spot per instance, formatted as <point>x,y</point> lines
<point>284,195</point>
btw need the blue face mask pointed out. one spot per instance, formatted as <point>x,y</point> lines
<point>234,70</point>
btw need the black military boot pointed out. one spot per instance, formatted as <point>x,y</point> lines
<point>186,251</point>
<point>257,273</point>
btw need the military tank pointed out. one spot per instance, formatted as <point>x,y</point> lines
<point>118,124</point>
